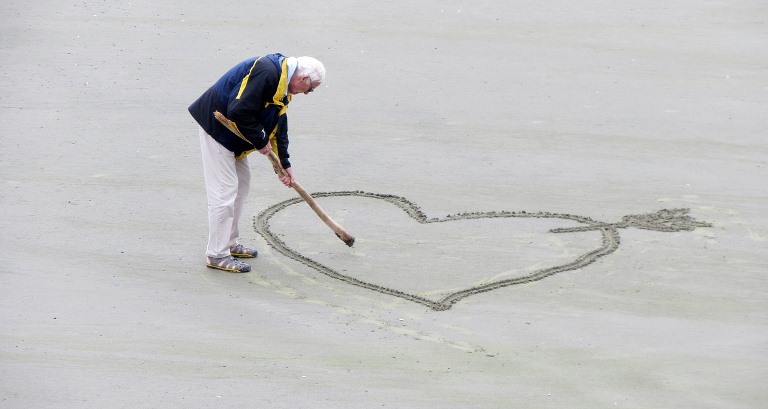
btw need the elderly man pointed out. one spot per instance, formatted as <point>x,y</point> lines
<point>254,95</point>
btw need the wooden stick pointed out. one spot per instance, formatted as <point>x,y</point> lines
<point>338,230</point>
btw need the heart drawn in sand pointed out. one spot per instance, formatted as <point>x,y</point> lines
<point>665,220</point>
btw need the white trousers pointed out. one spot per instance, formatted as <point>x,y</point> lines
<point>227,182</point>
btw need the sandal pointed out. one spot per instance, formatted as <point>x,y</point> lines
<point>228,263</point>
<point>243,252</point>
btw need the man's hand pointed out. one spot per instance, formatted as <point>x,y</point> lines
<point>266,149</point>
<point>288,179</point>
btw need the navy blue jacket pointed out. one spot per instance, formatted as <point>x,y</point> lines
<point>252,95</point>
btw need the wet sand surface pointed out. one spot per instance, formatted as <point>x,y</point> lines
<point>554,206</point>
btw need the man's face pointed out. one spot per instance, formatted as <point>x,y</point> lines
<point>301,84</point>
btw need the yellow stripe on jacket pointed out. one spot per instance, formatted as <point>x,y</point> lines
<point>244,82</point>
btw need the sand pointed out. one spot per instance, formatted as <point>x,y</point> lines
<point>574,214</point>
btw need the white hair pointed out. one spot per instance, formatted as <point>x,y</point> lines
<point>311,67</point>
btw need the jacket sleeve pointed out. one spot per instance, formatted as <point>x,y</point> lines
<point>281,141</point>
<point>248,99</point>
